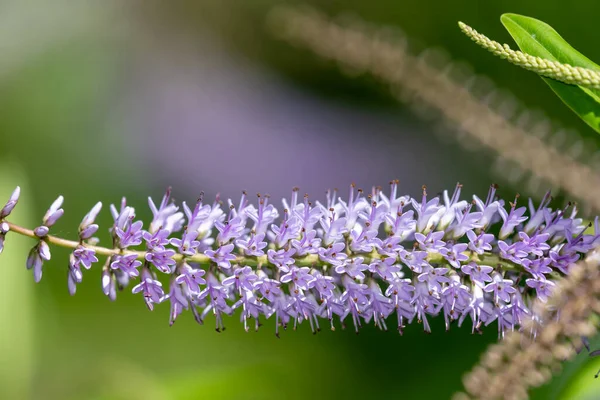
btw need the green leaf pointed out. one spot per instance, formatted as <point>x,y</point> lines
<point>540,39</point>
<point>16,297</point>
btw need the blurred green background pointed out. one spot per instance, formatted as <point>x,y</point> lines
<point>104,99</point>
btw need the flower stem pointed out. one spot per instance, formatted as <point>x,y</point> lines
<point>71,244</point>
<point>307,261</point>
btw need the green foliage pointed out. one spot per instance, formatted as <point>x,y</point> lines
<point>537,38</point>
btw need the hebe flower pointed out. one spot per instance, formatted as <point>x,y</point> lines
<point>366,258</point>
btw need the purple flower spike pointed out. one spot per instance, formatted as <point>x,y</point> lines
<point>334,228</point>
<point>54,212</point>
<point>330,260</point>
<point>11,203</point>
<point>393,202</point>
<point>151,288</point>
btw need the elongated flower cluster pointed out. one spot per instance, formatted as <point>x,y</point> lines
<point>366,258</point>
<point>565,73</point>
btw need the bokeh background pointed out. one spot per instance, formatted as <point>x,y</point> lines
<point>104,99</point>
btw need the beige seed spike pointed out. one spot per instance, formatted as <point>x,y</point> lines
<point>565,73</point>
